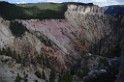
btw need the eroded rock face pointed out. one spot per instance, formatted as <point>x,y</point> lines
<point>60,43</point>
<point>6,37</point>
<point>121,70</point>
<point>85,9</point>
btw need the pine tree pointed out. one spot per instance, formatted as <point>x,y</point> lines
<point>18,78</point>
<point>43,75</point>
<point>52,76</point>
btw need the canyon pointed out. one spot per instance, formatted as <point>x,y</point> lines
<point>84,46</point>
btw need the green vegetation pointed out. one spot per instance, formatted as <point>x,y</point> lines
<point>80,71</point>
<point>41,59</point>
<point>66,77</point>
<point>11,53</point>
<point>38,74</point>
<point>24,59</point>
<point>31,11</point>
<point>34,62</point>
<point>36,81</point>
<point>17,29</point>
<point>45,40</point>
<point>25,80</point>
<point>43,75</point>
<point>52,76</point>
<point>114,52</point>
<point>83,72</point>
<point>103,62</point>
<point>34,11</point>
<point>25,75</point>
<point>18,78</point>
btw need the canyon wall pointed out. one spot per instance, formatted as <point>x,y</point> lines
<point>59,44</point>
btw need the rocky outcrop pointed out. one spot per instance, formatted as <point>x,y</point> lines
<point>85,9</point>
<point>120,77</point>
<point>6,37</point>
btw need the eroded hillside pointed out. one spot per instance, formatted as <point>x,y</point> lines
<point>84,46</point>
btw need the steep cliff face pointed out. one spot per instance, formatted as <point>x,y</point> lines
<point>121,69</point>
<point>60,44</point>
<point>6,36</point>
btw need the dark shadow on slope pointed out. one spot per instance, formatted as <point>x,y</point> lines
<point>110,46</point>
<point>17,29</point>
